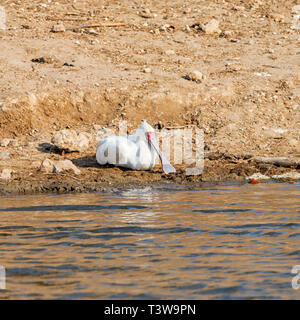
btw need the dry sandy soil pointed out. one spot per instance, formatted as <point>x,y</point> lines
<point>131,64</point>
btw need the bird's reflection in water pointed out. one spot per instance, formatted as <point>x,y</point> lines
<point>144,195</point>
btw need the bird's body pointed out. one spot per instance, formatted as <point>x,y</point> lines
<point>125,152</point>
<point>137,152</point>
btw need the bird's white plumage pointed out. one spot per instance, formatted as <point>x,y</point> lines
<point>137,152</point>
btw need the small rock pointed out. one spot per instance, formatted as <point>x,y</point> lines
<point>187,28</point>
<point>4,156</point>
<point>289,175</point>
<point>211,27</point>
<point>6,174</point>
<point>294,142</point>
<point>166,27</point>
<point>196,76</point>
<point>227,33</point>
<point>295,25</point>
<point>47,166</point>
<point>296,9</point>
<point>146,13</point>
<point>238,8</point>
<point>45,59</point>
<point>169,52</point>
<point>65,166</point>
<point>93,31</point>
<point>147,70</point>
<point>262,74</point>
<point>155,31</point>
<point>9,142</point>
<point>274,133</point>
<point>70,141</point>
<point>277,17</point>
<point>5,142</point>
<point>58,28</point>
<point>258,176</point>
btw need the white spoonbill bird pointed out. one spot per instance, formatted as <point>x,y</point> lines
<point>137,152</point>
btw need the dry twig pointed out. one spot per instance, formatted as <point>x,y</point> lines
<point>98,25</point>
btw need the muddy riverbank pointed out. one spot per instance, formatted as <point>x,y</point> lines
<point>27,177</point>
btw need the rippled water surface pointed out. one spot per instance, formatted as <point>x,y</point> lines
<point>222,242</point>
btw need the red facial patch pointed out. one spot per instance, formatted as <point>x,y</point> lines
<point>149,135</point>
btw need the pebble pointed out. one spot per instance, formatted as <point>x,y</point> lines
<point>274,132</point>
<point>196,76</point>
<point>293,142</point>
<point>58,28</point>
<point>187,28</point>
<point>238,8</point>
<point>46,59</point>
<point>4,155</point>
<point>93,31</point>
<point>146,13</point>
<point>147,70</point>
<point>262,74</point>
<point>258,176</point>
<point>155,31</point>
<point>166,27</point>
<point>5,142</point>
<point>6,174</point>
<point>169,52</point>
<point>211,27</point>
<point>295,24</point>
<point>228,33</point>
<point>296,9</point>
<point>278,17</point>
<point>289,175</point>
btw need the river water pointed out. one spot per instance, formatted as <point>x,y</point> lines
<point>214,242</point>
